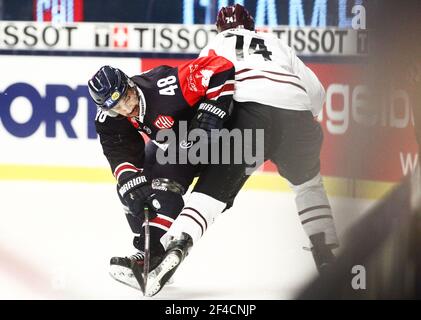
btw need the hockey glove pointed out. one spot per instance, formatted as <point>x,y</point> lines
<point>210,116</point>
<point>136,193</point>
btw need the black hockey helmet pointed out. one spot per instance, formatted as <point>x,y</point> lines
<point>107,87</point>
<point>234,17</point>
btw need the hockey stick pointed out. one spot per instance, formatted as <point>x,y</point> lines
<point>147,251</point>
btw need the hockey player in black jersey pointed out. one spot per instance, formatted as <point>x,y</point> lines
<point>156,100</point>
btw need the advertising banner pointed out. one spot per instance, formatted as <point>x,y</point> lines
<point>165,38</point>
<point>46,114</point>
<point>46,117</point>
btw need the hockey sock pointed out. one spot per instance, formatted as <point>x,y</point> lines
<point>197,215</point>
<point>314,209</point>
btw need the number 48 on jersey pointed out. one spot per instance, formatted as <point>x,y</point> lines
<point>168,86</point>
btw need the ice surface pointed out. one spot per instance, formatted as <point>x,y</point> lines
<point>56,240</point>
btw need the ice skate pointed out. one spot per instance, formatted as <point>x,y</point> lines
<point>121,268</point>
<point>322,253</point>
<point>178,249</point>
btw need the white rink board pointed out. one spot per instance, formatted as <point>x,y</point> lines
<point>36,73</point>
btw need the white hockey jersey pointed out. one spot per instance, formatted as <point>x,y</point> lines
<point>268,71</point>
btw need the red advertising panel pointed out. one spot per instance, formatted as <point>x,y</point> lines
<point>364,141</point>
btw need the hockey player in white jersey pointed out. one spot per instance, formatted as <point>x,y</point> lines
<point>274,91</point>
<point>267,71</point>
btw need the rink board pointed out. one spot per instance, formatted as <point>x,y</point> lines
<point>47,125</point>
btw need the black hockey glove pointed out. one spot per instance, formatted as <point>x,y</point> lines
<point>136,193</point>
<point>210,116</point>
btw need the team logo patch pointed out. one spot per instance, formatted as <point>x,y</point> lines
<point>164,122</point>
<point>115,95</point>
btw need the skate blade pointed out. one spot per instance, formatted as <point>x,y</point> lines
<point>125,276</point>
<point>155,278</point>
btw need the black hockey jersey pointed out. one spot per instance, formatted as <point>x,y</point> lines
<point>171,94</point>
